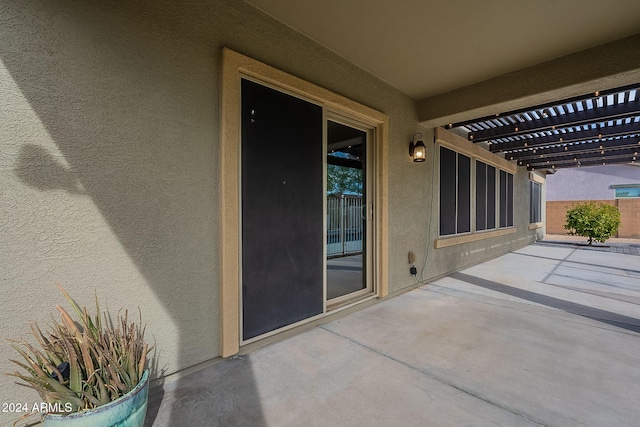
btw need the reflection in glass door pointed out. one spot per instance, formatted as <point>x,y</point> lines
<point>346,213</point>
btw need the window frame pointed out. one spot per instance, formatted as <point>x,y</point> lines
<point>235,67</point>
<point>505,214</point>
<point>539,180</point>
<point>460,145</point>
<point>489,198</point>
<point>535,202</point>
<point>457,198</point>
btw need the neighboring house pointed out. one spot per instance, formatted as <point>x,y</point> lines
<point>618,185</point>
<point>592,182</point>
<point>170,156</point>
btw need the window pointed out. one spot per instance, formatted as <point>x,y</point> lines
<point>455,192</point>
<point>506,199</point>
<point>476,192</point>
<point>535,199</point>
<point>485,196</point>
<point>626,190</point>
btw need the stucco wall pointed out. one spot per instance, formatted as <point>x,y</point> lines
<point>108,176</point>
<point>418,211</point>
<point>109,144</point>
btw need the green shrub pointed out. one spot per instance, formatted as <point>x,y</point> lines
<point>597,221</point>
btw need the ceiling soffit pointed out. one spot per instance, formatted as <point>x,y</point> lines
<point>428,47</point>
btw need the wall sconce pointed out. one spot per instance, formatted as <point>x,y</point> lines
<point>417,150</point>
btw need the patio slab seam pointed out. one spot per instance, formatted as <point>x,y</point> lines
<point>632,271</point>
<point>615,319</point>
<point>432,376</point>
<point>615,297</point>
<point>621,248</point>
<point>523,305</point>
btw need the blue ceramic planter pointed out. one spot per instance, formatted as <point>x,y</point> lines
<point>127,411</point>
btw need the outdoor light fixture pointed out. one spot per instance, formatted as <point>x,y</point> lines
<point>417,150</point>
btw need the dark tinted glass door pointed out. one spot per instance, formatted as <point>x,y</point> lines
<point>282,210</point>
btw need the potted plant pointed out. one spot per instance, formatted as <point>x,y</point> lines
<point>88,371</point>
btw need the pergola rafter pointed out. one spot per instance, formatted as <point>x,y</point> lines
<point>593,129</point>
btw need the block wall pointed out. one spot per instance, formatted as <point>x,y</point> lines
<point>629,216</point>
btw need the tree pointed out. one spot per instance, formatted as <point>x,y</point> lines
<point>597,221</point>
<point>341,179</point>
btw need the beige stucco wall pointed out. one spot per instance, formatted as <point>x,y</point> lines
<point>108,177</point>
<point>109,145</point>
<point>416,208</point>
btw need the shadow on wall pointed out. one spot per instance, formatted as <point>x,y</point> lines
<point>37,168</point>
<point>130,106</point>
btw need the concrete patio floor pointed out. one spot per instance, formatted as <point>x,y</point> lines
<point>546,335</point>
<point>619,245</point>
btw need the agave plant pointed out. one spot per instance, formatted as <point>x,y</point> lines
<point>83,364</point>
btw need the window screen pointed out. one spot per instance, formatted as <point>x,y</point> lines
<point>485,196</point>
<point>535,199</point>
<point>455,192</point>
<point>506,199</point>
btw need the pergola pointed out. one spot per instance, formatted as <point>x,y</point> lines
<point>595,129</point>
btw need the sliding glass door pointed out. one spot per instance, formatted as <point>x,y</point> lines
<point>347,213</point>
<point>306,214</point>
